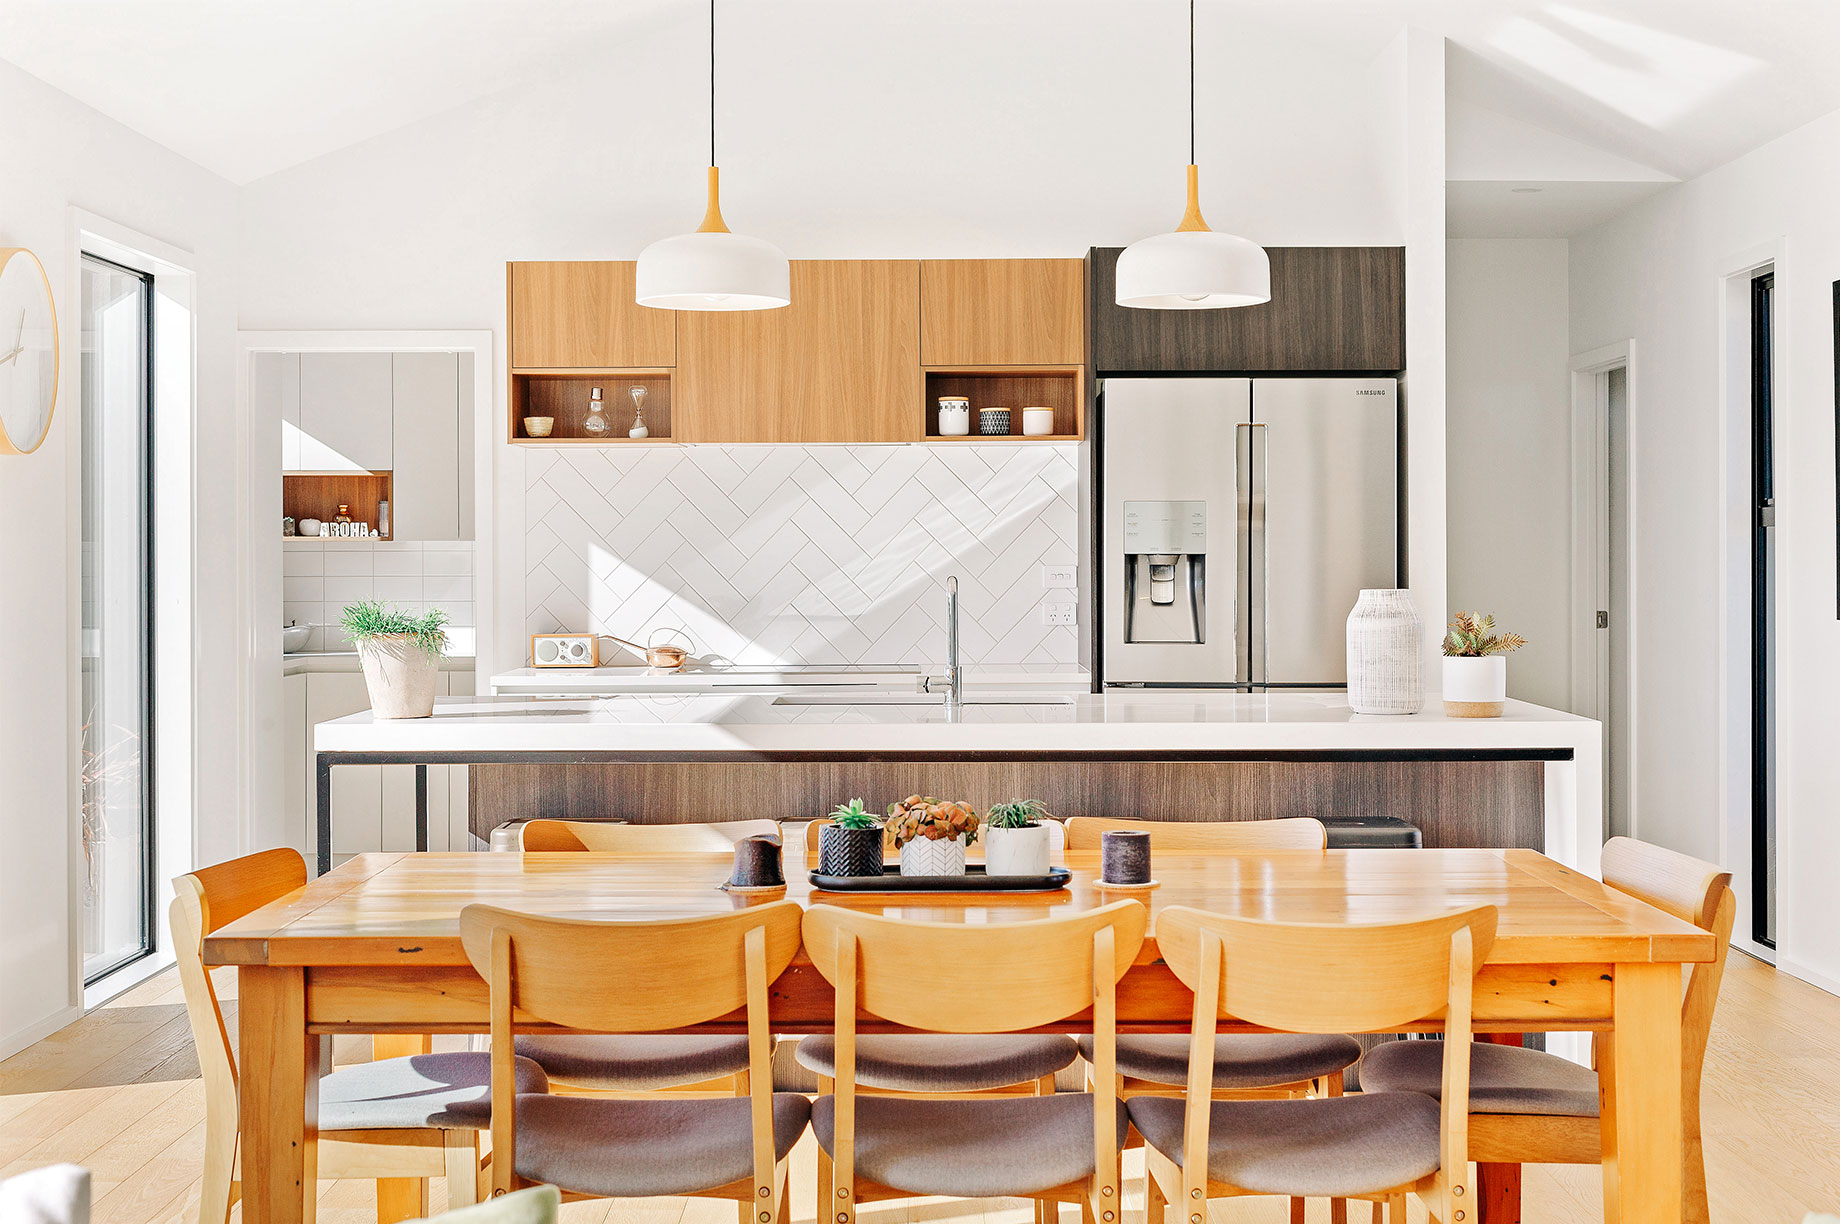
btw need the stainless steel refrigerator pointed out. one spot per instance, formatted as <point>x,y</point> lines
<point>1240,519</point>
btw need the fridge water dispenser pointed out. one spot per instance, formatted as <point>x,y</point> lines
<point>1165,571</point>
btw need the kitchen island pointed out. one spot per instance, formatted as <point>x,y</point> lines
<point>1532,778</point>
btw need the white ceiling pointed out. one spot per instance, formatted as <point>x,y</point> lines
<point>249,87</point>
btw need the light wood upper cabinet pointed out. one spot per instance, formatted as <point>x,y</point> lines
<point>841,364</point>
<point>981,312</point>
<point>575,315</point>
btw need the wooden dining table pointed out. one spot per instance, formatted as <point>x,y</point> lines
<point>374,947</point>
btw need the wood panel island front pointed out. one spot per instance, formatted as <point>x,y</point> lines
<point>1530,779</point>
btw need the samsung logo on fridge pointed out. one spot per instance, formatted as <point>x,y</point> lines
<point>1368,391</point>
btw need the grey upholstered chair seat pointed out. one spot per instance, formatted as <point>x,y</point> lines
<point>447,1091</point>
<point>1327,1148</point>
<point>943,1062</point>
<point>1241,1060</point>
<point>644,1063</point>
<point>1502,1079</point>
<point>989,1147</point>
<point>636,1149</point>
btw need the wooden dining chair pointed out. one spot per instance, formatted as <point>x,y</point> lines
<point>1259,1066</point>
<point>1530,1107</point>
<point>1317,978</point>
<point>960,978</point>
<point>399,1121</point>
<point>619,1064</point>
<point>940,1065</point>
<point>640,977</point>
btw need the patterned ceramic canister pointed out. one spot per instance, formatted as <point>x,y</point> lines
<point>1386,654</point>
<point>993,422</point>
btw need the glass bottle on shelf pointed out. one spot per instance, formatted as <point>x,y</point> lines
<point>638,429</point>
<point>596,425</point>
<point>344,514</point>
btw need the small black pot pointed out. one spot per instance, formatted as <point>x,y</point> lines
<point>849,852</point>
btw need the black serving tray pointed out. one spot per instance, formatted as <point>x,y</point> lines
<point>975,879</point>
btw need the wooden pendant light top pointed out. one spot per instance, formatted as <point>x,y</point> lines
<point>712,216</point>
<point>1191,220</point>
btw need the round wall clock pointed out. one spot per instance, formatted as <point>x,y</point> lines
<point>28,352</point>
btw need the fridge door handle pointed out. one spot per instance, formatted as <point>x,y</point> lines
<point>1258,579</point>
<point>1242,595</point>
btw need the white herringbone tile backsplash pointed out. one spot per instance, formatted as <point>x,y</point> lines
<point>787,554</point>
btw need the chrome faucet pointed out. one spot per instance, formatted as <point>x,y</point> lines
<point>954,679</point>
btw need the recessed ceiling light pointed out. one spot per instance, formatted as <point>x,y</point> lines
<point>1526,190</point>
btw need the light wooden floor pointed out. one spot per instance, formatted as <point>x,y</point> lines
<point>119,1092</point>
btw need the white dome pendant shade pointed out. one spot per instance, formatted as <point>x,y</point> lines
<point>1193,268</point>
<point>713,269</point>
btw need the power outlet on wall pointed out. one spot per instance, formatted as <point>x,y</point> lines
<point>1058,614</point>
<point>1058,575</point>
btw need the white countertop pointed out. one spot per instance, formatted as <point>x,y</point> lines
<point>807,720</point>
<point>301,661</point>
<point>698,676</point>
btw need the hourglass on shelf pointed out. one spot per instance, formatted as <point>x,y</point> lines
<point>638,429</point>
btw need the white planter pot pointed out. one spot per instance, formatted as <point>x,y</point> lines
<point>400,676</point>
<point>1386,654</point>
<point>1475,688</point>
<point>925,857</point>
<point>1016,852</point>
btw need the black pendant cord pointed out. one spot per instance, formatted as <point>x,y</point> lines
<point>712,79</point>
<point>1191,81</point>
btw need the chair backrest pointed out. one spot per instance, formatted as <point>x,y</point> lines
<point>203,901</point>
<point>1692,890</point>
<point>627,977</point>
<point>1206,836</point>
<point>955,977</point>
<point>605,837</point>
<point>1057,840</point>
<point>1328,978</point>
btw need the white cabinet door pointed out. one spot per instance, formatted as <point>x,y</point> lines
<point>274,387</point>
<point>297,790</point>
<point>347,420</point>
<point>357,790</point>
<point>425,501</point>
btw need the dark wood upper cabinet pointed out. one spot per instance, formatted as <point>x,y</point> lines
<point>1332,309</point>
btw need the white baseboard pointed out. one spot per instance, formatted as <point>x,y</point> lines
<point>12,1043</point>
<point>1803,973</point>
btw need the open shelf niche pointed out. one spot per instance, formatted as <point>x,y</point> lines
<point>565,395</point>
<point>320,494</point>
<point>1062,388</point>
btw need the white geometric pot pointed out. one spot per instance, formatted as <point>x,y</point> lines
<point>1475,687</point>
<point>400,676</point>
<point>1386,654</point>
<point>1016,852</point>
<point>925,857</point>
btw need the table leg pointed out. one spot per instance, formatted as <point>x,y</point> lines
<point>1639,1080</point>
<point>278,1094</point>
<point>1498,1186</point>
<point>324,769</point>
<point>421,807</point>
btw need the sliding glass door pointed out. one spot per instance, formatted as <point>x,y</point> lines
<point>117,640</point>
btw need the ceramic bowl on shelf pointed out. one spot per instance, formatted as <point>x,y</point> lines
<point>1037,422</point>
<point>993,422</point>
<point>539,427</point>
<point>954,416</point>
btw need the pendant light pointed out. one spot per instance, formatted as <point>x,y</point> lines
<point>713,269</point>
<point>1193,268</point>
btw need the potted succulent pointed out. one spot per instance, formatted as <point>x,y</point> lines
<point>1017,839</point>
<point>932,835</point>
<point>401,654</point>
<point>851,843</point>
<point>1476,666</point>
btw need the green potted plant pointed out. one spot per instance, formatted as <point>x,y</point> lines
<point>1476,666</point>
<point>932,834</point>
<point>401,654</point>
<point>851,843</point>
<point>1017,840</point>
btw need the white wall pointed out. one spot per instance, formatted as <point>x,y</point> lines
<point>1509,450</point>
<point>1654,276</point>
<point>62,155</point>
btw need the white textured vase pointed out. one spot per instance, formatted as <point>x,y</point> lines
<point>1386,654</point>
<point>1475,687</point>
<point>925,857</point>
<point>400,676</point>
<point>1016,852</point>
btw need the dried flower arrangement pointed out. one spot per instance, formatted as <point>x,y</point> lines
<point>1473,636</point>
